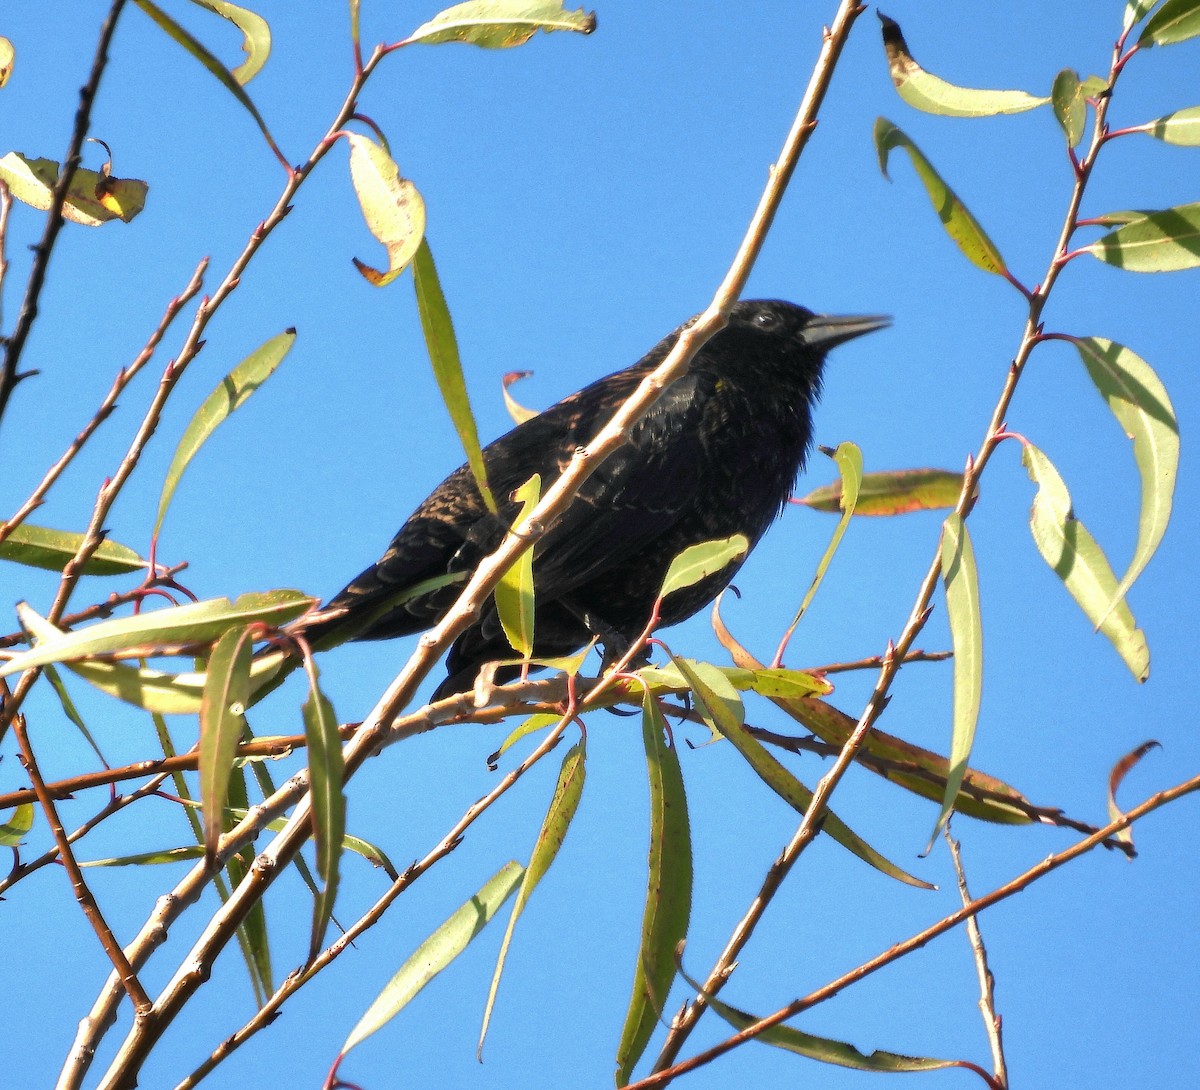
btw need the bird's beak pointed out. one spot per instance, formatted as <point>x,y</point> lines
<point>827,331</point>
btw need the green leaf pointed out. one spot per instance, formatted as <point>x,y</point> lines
<point>222,74</point>
<point>781,781</point>
<point>925,91</point>
<point>325,774</point>
<point>848,459</point>
<point>1176,21</point>
<point>39,547</point>
<point>392,206</point>
<point>92,198</point>
<point>515,409</point>
<point>447,367</point>
<point>698,562</point>
<point>726,681</point>
<point>144,859</point>
<point>1072,552</point>
<point>565,802</point>
<point>256,37</point>
<point>500,24</point>
<point>1182,127</point>
<point>961,582</point>
<point>537,721</point>
<point>1164,241</point>
<point>514,592</point>
<point>231,393</point>
<point>896,492</point>
<point>960,225</point>
<point>668,891</point>
<point>222,721</point>
<point>70,711</point>
<point>197,622</point>
<point>1070,105</point>
<point>436,952</point>
<point>13,831</point>
<point>1142,407</point>
<point>1135,12</point>
<point>824,1049</point>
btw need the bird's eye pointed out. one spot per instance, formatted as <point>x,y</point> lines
<point>764,320</point>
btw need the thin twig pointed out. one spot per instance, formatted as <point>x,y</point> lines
<point>987,982</point>
<point>902,949</point>
<point>54,217</point>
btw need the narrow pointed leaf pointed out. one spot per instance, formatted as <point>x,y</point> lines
<point>1135,12</point>
<point>824,1049</point>
<point>39,547</point>
<point>514,592</point>
<point>895,492</point>
<point>500,24</point>
<point>668,891</point>
<point>1163,241</point>
<point>1070,105</point>
<point>19,822</point>
<point>537,721</point>
<point>1176,21</point>
<point>1141,405</point>
<point>961,583</point>
<point>1119,771</point>
<point>70,711</point>
<point>392,206</point>
<point>252,938</point>
<point>1072,552</point>
<point>565,802</point>
<point>698,562</point>
<point>198,622</point>
<point>960,225</point>
<point>222,74</point>
<point>256,37</point>
<point>436,952</point>
<point>325,773</point>
<point>92,198</point>
<point>515,409</point>
<point>783,783</point>
<point>222,720</point>
<point>231,393</point>
<point>447,367</point>
<point>727,681</point>
<point>1181,127</point>
<point>924,91</point>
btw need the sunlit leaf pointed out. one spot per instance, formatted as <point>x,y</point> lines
<point>1141,405</point>
<point>1072,552</point>
<point>698,562</point>
<point>222,720</point>
<point>565,802</point>
<point>514,593</point>
<point>392,206</point>
<point>198,622</point>
<point>1164,241</point>
<point>222,74</point>
<point>92,198</point>
<point>961,582</point>
<point>325,774</point>
<point>442,345</point>
<point>1070,105</point>
<point>766,681</point>
<point>1175,21</point>
<point>925,91</point>
<point>39,547</point>
<point>230,394</point>
<point>500,24</point>
<point>8,56</point>
<point>668,891</point>
<point>896,492</point>
<point>1182,127</point>
<point>960,225</point>
<point>256,37</point>
<point>537,721</point>
<point>824,1049</point>
<point>1135,12</point>
<point>12,831</point>
<point>1119,771</point>
<point>516,410</point>
<point>70,711</point>
<point>782,782</point>
<point>436,952</point>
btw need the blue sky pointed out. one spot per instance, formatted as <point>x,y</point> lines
<point>585,195</point>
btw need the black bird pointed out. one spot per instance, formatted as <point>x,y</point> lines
<point>717,455</point>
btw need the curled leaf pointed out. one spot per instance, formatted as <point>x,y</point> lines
<point>500,24</point>
<point>516,410</point>
<point>92,198</point>
<point>1119,772</point>
<point>960,225</point>
<point>256,36</point>
<point>925,91</point>
<point>8,57</point>
<point>391,205</point>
